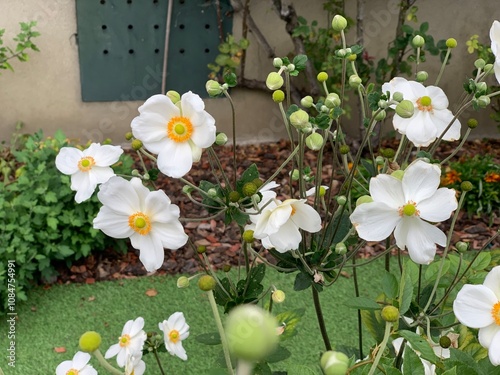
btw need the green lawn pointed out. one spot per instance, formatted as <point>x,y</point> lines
<point>57,316</point>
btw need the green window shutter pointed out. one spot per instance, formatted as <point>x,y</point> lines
<point>121,46</point>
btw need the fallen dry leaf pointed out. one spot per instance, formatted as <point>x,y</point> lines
<point>151,292</point>
<point>60,349</point>
<point>91,298</point>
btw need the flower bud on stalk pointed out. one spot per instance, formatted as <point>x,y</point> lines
<point>182,282</point>
<point>422,76</point>
<point>339,23</point>
<point>89,342</point>
<point>380,115</point>
<point>390,314</point>
<point>363,199</point>
<point>397,96</point>
<point>174,96</point>
<point>300,120</point>
<point>136,144</point>
<point>483,101</point>
<point>221,139</point>
<point>405,109</point>
<point>277,63</point>
<point>466,186</point>
<point>307,101</point>
<point>354,81</point>
<point>129,136</point>
<point>278,296</point>
<point>418,41</point>
<point>278,96</point>
<point>322,76</point>
<point>472,123</point>
<point>479,63</point>
<point>332,100</point>
<point>213,88</point>
<point>314,141</point>
<point>274,81</point>
<point>451,42</point>
<point>462,247</point>
<point>334,363</point>
<point>341,200</point>
<point>481,88</point>
<point>206,283</point>
<point>340,248</point>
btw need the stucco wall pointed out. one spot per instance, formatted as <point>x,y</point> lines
<point>45,92</point>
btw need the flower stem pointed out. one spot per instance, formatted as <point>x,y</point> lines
<point>360,323</point>
<point>457,148</point>
<point>443,65</point>
<point>222,334</point>
<point>158,361</point>
<point>383,344</point>
<point>235,166</point>
<point>97,353</point>
<point>244,367</point>
<point>321,320</point>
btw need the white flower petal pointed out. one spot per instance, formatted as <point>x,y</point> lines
<point>101,174</point>
<point>441,119</point>
<point>473,306</point>
<point>420,181</point>
<point>137,326</point>
<point>191,103</point>
<point>287,238</point>
<point>421,130</point>
<point>112,351</point>
<point>84,184</point>
<point>387,189</point>
<point>439,206</point>
<point>172,234</point>
<point>64,367</point>
<point>439,100</point>
<point>160,104</point>
<point>120,195</point>
<point>179,351</point>
<point>195,151</point>
<point>492,281</point>
<point>176,159</point>
<point>67,160</point>
<point>159,208</point>
<point>204,135</point>
<point>112,224</point>
<point>107,155</point>
<point>151,250</point>
<point>80,360</point>
<point>487,334</point>
<point>420,238</point>
<point>272,219</point>
<point>418,89</point>
<point>494,350</point>
<point>151,129</point>
<point>306,217</point>
<point>374,221</point>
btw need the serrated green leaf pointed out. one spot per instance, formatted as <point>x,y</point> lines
<point>391,370</point>
<point>374,323</point>
<point>432,270</point>
<point>412,364</point>
<point>419,344</point>
<point>300,62</point>
<point>289,320</point>
<point>452,371</point>
<point>390,285</point>
<point>280,354</point>
<point>482,261</point>
<point>405,290</point>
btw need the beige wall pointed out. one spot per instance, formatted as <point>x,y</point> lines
<point>45,92</point>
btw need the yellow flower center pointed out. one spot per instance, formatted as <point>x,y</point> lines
<point>409,209</point>
<point>86,163</point>
<point>124,341</point>
<point>294,210</point>
<point>424,104</point>
<point>179,129</point>
<point>495,312</point>
<point>72,372</point>
<point>140,223</point>
<point>174,336</point>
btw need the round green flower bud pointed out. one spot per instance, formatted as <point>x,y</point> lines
<point>354,81</point>
<point>182,282</point>
<point>226,268</point>
<point>466,186</point>
<point>186,189</point>
<point>483,101</point>
<point>251,333</point>
<point>325,109</point>
<point>107,141</point>
<point>221,139</point>
<point>383,104</point>
<point>341,200</point>
<point>444,342</point>
<point>278,96</point>
<point>344,149</point>
<point>363,199</point>
<point>462,247</point>
<point>418,41</point>
<point>398,174</point>
<point>390,314</point>
<point>300,119</point>
<point>274,81</point>
<point>314,141</point>
<point>248,236</point>
<point>379,160</point>
<point>481,88</point>
<point>290,67</point>
<point>340,248</point>
<point>488,68</point>
<point>352,57</point>
<point>332,100</point>
<point>278,296</point>
<point>422,76</point>
<point>234,196</point>
<point>339,23</point>
<point>405,109</point>
<point>397,96</point>
<point>212,193</point>
<point>213,88</point>
<point>334,363</point>
<point>295,175</point>
<point>307,101</point>
<point>479,63</point>
<point>135,173</point>
<point>322,191</point>
<point>206,283</point>
<point>380,115</point>
<point>451,42</point>
<point>472,123</point>
<point>129,136</point>
<point>322,76</point>
<point>201,249</point>
<point>257,182</point>
<point>277,62</point>
<point>341,52</point>
<point>89,342</point>
<point>249,189</point>
<point>136,144</point>
<point>174,96</point>
<point>387,152</point>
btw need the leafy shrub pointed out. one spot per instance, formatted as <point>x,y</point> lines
<point>40,221</point>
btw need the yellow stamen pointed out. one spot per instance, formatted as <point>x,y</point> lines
<point>294,210</point>
<point>495,312</point>
<point>86,163</point>
<point>140,223</point>
<point>72,372</point>
<point>409,209</point>
<point>179,129</point>
<point>424,104</point>
<point>124,341</point>
<point>174,336</point>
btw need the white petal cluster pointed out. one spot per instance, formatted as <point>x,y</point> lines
<point>495,47</point>
<point>129,344</point>
<point>175,330</point>
<point>78,365</point>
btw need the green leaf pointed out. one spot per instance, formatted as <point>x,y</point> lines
<point>390,285</point>
<point>412,363</point>
<point>300,62</point>
<point>280,354</point>
<point>362,303</point>
<point>432,270</point>
<point>301,370</point>
<point>290,319</point>
<point>419,344</point>
<point>250,174</point>
<point>212,338</point>
<point>405,290</point>
<point>230,78</point>
<point>302,281</point>
<point>52,222</point>
<point>452,371</point>
<point>424,27</point>
<point>482,261</point>
<point>262,369</point>
<point>391,370</point>
<point>293,108</point>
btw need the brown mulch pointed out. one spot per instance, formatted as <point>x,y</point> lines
<point>223,242</point>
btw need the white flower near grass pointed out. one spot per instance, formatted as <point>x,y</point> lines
<point>175,330</point>
<point>431,116</point>
<point>130,342</point>
<point>175,132</point>
<point>135,365</point>
<point>87,168</point>
<point>77,366</point>
<point>478,306</point>
<point>149,219</point>
<point>407,207</point>
<point>495,47</point>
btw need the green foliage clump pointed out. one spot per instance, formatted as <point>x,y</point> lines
<point>40,222</point>
<point>24,43</point>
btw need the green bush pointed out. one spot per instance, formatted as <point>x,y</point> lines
<point>40,222</point>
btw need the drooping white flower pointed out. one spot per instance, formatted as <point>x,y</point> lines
<point>175,132</point>
<point>279,223</point>
<point>478,306</point>
<point>77,366</point>
<point>495,47</point>
<point>175,330</point>
<point>129,343</point>
<point>87,168</point>
<point>134,365</point>
<point>149,219</point>
<point>406,207</point>
<point>431,116</point>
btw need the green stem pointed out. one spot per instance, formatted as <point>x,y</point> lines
<point>97,353</point>
<point>214,156</point>
<point>360,323</point>
<point>222,334</point>
<point>290,157</point>
<point>321,320</point>
<point>443,65</point>
<point>459,146</point>
<point>235,166</point>
<point>158,361</point>
<point>383,344</point>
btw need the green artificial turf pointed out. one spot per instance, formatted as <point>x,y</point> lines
<point>57,316</point>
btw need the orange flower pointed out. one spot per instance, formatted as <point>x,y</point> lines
<point>492,177</point>
<point>450,177</point>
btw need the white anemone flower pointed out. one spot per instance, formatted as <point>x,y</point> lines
<point>175,132</point>
<point>77,366</point>
<point>431,116</point>
<point>130,342</point>
<point>279,223</point>
<point>478,306</point>
<point>406,207</point>
<point>175,330</point>
<point>87,168</point>
<point>148,218</point>
<point>495,47</point>
<point>135,365</point>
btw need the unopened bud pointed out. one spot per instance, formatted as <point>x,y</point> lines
<point>462,247</point>
<point>322,76</point>
<point>89,342</point>
<point>466,186</point>
<point>278,296</point>
<point>248,236</point>
<point>314,141</point>
<point>363,199</point>
<point>380,115</point>
<point>481,88</point>
<point>339,23</point>
<point>307,101</point>
<point>418,41</point>
<point>300,119</point>
<point>295,175</point>
<point>341,52</point>
<point>479,63</point>
<point>234,196</point>
<point>387,152</point>
<point>472,123</point>
<point>390,314</point>
<point>274,81</point>
<point>334,363</point>
<point>174,96</point>
<point>451,42</point>
<point>397,96</point>
<point>483,101</point>
<point>290,67</point>
<point>379,160</point>
<point>277,62</point>
<point>354,81</point>
<point>344,149</point>
<point>341,200</point>
<point>221,139</point>
<point>201,249</point>
<point>278,96</point>
<point>444,342</point>
<point>182,282</point>
<point>340,248</point>
<point>421,76</point>
<point>136,144</point>
<point>383,104</point>
<point>332,100</point>
<point>249,189</point>
<point>488,68</point>
<point>405,109</point>
<point>206,283</point>
<point>212,193</point>
<point>129,136</point>
<point>213,88</point>
<point>226,268</point>
<point>186,189</point>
